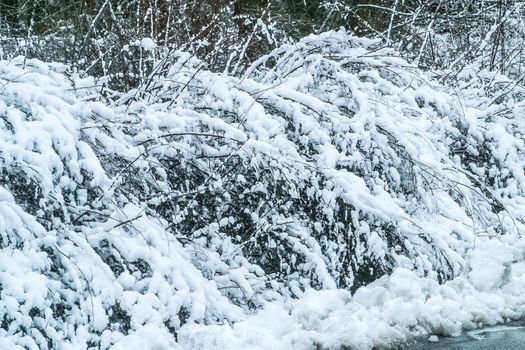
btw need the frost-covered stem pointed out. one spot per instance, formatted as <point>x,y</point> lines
<point>92,25</point>
<point>248,41</point>
<point>190,134</point>
<point>328,16</point>
<point>141,67</point>
<point>415,16</point>
<point>485,42</point>
<point>392,16</point>
<point>427,35</point>
<point>30,31</point>
<point>167,28</point>
<point>499,37</point>
<point>102,61</point>
<point>137,16</point>
<point>153,18</point>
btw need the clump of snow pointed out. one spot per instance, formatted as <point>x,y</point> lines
<point>490,265</point>
<point>433,339</point>
<point>148,44</point>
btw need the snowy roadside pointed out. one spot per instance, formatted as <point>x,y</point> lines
<point>386,313</point>
<point>165,221</point>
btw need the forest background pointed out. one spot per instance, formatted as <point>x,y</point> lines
<point>102,37</point>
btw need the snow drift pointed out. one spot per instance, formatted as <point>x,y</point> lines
<point>199,198</point>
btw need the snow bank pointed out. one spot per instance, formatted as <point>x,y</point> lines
<point>385,314</point>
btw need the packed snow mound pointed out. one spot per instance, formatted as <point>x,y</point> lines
<point>199,197</point>
<point>385,314</point>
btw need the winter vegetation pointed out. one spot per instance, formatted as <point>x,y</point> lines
<point>273,174</point>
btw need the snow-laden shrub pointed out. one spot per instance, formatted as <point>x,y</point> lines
<point>333,164</point>
<point>201,196</point>
<point>79,264</point>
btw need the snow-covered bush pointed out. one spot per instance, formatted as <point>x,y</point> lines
<point>332,147</point>
<point>80,265</point>
<point>200,196</point>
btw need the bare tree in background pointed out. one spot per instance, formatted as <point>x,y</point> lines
<point>105,37</point>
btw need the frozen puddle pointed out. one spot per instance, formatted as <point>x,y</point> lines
<point>481,334</point>
<point>499,337</point>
